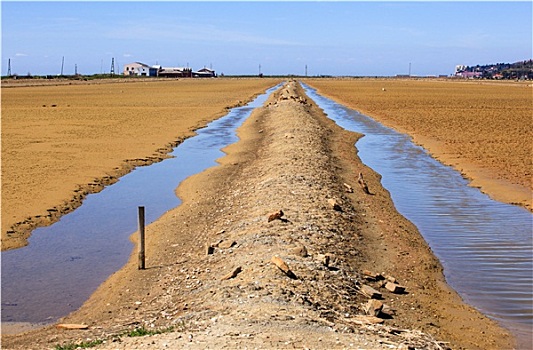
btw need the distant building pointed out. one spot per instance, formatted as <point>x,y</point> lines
<point>204,73</point>
<point>140,69</point>
<point>469,75</point>
<point>175,72</point>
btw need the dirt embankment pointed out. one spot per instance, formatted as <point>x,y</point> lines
<point>60,143</point>
<point>211,273</point>
<point>482,129</point>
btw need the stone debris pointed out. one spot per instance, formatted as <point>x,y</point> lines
<point>373,307</point>
<point>362,183</point>
<point>232,274</point>
<point>387,310</point>
<point>324,259</point>
<point>371,276</point>
<point>371,292</point>
<point>227,244</point>
<point>395,288</point>
<point>282,265</point>
<point>389,278</point>
<point>275,216</point>
<point>334,204</point>
<point>348,188</point>
<point>300,250</point>
<point>364,320</point>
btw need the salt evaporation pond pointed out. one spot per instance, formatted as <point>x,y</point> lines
<point>485,247</point>
<point>64,263</point>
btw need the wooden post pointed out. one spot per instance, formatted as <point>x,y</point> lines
<point>141,238</point>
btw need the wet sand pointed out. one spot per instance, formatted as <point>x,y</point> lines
<point>62,142</point>
<point>480,128</point>
<point>290,157</point>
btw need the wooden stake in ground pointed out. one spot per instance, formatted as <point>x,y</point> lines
<point>141,239</point>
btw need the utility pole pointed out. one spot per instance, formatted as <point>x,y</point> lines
<point>306,70</point>
<point>75,69</point>
<point>259,69</point>
<point>62,65</point>
<point>409,68</point>
<point>112,66</point>
<point>9,67</point>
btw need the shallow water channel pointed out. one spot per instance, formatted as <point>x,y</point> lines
<point>64,263</point>
<point>485,247</point>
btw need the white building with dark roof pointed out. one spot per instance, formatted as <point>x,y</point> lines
<point>140,69</point>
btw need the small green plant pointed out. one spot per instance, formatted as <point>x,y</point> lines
<point>141,332</point>
<point>82,345</point>
<point>137,332</point>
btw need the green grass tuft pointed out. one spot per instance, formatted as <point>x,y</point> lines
<point>82,345</point>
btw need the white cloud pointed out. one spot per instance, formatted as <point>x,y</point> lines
<point>197,32</point>
<point>21,55</point>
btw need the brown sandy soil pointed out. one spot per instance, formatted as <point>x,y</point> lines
<point>60,143</point>
<point>482,129</point>
<point>290,157</point>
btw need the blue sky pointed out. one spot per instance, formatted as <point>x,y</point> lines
<point>331,38</point>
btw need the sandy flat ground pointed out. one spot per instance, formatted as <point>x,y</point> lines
<point>289,157</point>
<point>483,129</point>
<point>61,142</point>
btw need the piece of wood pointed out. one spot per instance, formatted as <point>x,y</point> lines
<point>142,256</point>
<point>72,326</point>
<point>370,292</point>
<point>282,265</point>
<point>395,288</point>
<point>232,274</point>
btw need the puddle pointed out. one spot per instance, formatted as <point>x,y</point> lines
<point>64,263</point>
<point>484,246</point>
